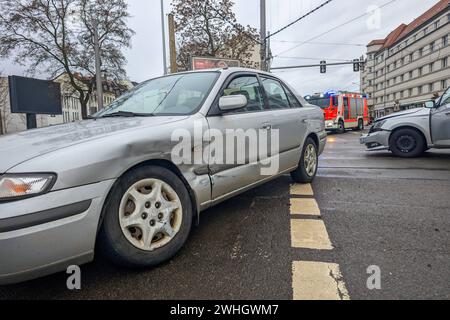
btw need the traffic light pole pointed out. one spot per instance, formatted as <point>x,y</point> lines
<point>313,65</point>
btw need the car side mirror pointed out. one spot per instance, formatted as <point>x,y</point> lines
<point>231,103</point>
<point>430,104</point>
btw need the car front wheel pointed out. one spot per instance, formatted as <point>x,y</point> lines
<point>407,143</point>
<point>148,218</point>
<point>307,169</point>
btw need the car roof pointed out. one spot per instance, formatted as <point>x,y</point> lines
<point>229,71</point>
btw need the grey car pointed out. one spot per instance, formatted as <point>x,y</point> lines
<point>111,184</point>
<point>410,133</point>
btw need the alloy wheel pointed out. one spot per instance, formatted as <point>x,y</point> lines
<point>150,214</point>
<point>310,160</point>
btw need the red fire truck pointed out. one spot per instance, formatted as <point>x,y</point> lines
<point>343,110</point>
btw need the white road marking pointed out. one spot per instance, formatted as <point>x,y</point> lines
<point>302,190</point>
<point>318,281</point>
<point>307,207</point>
<point>310,234</point>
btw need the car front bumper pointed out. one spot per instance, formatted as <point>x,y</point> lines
<point>376,141</point>
<point>46,234</point>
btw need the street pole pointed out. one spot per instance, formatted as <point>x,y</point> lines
<point>98,71</point>
<point>263,34</point>
<point>163,28</point>
<point>173,49</point>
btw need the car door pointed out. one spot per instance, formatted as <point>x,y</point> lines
<point>231,178</point>
<point>289,118</point>
<point>440,122</point>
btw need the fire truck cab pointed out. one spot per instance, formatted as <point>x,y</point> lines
<point>342,110</point>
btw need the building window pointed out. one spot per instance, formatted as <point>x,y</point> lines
<point>444,62</point>
<point>411,75</point>
<point>436,24</point>
<point>445,41</point>
<point>444,84</point>
<point>420,71</point>
<point>425,31</point>
<point>419,89</point>
<point>410,93</point>
<point>420,52</point>
<point>431,67</point>
<point>432,47</point>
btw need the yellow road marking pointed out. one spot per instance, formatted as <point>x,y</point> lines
<point>302,190</point>
<point>310,234</point>
<point>318,281</point>
<point>305,207</point>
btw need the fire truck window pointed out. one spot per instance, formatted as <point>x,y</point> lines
<point>275,94</point>
<point>335,101</point>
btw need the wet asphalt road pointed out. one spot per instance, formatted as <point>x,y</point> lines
<point>378,210</point>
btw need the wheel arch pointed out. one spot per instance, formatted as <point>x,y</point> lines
<point>418,130</point>
<point>157,163</point>
<point>313,136</point>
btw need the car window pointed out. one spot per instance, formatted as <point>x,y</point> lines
<point>276,95</point>
<point>292,99</point>
<point>250,88</point>
<point>445,98</point>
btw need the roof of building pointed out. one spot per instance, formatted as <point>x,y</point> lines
<point>404,30</point>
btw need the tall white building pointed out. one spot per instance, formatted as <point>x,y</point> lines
<point>411,65</point>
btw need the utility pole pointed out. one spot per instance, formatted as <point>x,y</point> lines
<point>163,28</point>
<point>173,49</point>
<point>98,72</point>
<point>263,34</point>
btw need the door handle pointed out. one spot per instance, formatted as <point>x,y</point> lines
<point>267,127</point>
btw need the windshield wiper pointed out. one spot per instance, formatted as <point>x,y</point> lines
<point>126,114</point>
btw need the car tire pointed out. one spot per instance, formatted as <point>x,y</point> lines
<point>307,169</point>
<point>407,143</point>
<point>122,245</point>
<point>341,127</point>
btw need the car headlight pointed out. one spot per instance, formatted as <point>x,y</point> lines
<point>17,186</point>
<point>378,126</point>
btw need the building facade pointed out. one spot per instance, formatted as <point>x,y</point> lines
<point>411,65</point>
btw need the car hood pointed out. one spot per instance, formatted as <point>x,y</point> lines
<point>20,147</point>
<point>419,111</point>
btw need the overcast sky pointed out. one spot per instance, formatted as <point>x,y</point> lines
<point>145,56</point>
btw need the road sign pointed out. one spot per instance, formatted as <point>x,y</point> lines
<point>202,63</point>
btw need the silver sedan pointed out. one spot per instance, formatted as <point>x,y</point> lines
<point>129,182</point>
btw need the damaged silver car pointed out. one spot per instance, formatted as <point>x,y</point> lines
<point>110,184</point>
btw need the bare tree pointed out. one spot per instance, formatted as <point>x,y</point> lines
<point>210,28</point>
<point>57,36</point>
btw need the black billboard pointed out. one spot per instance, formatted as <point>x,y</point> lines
<point>34,96</point>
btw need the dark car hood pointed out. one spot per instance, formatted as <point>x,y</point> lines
<point>20,147</point>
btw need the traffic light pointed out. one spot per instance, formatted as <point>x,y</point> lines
<point>323,67</point>
<point>356,65</point>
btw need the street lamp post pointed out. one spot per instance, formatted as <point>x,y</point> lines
<point>98,72</point>
<point>163,28</point>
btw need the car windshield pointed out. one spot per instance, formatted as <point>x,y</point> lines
<point>180,94</point>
